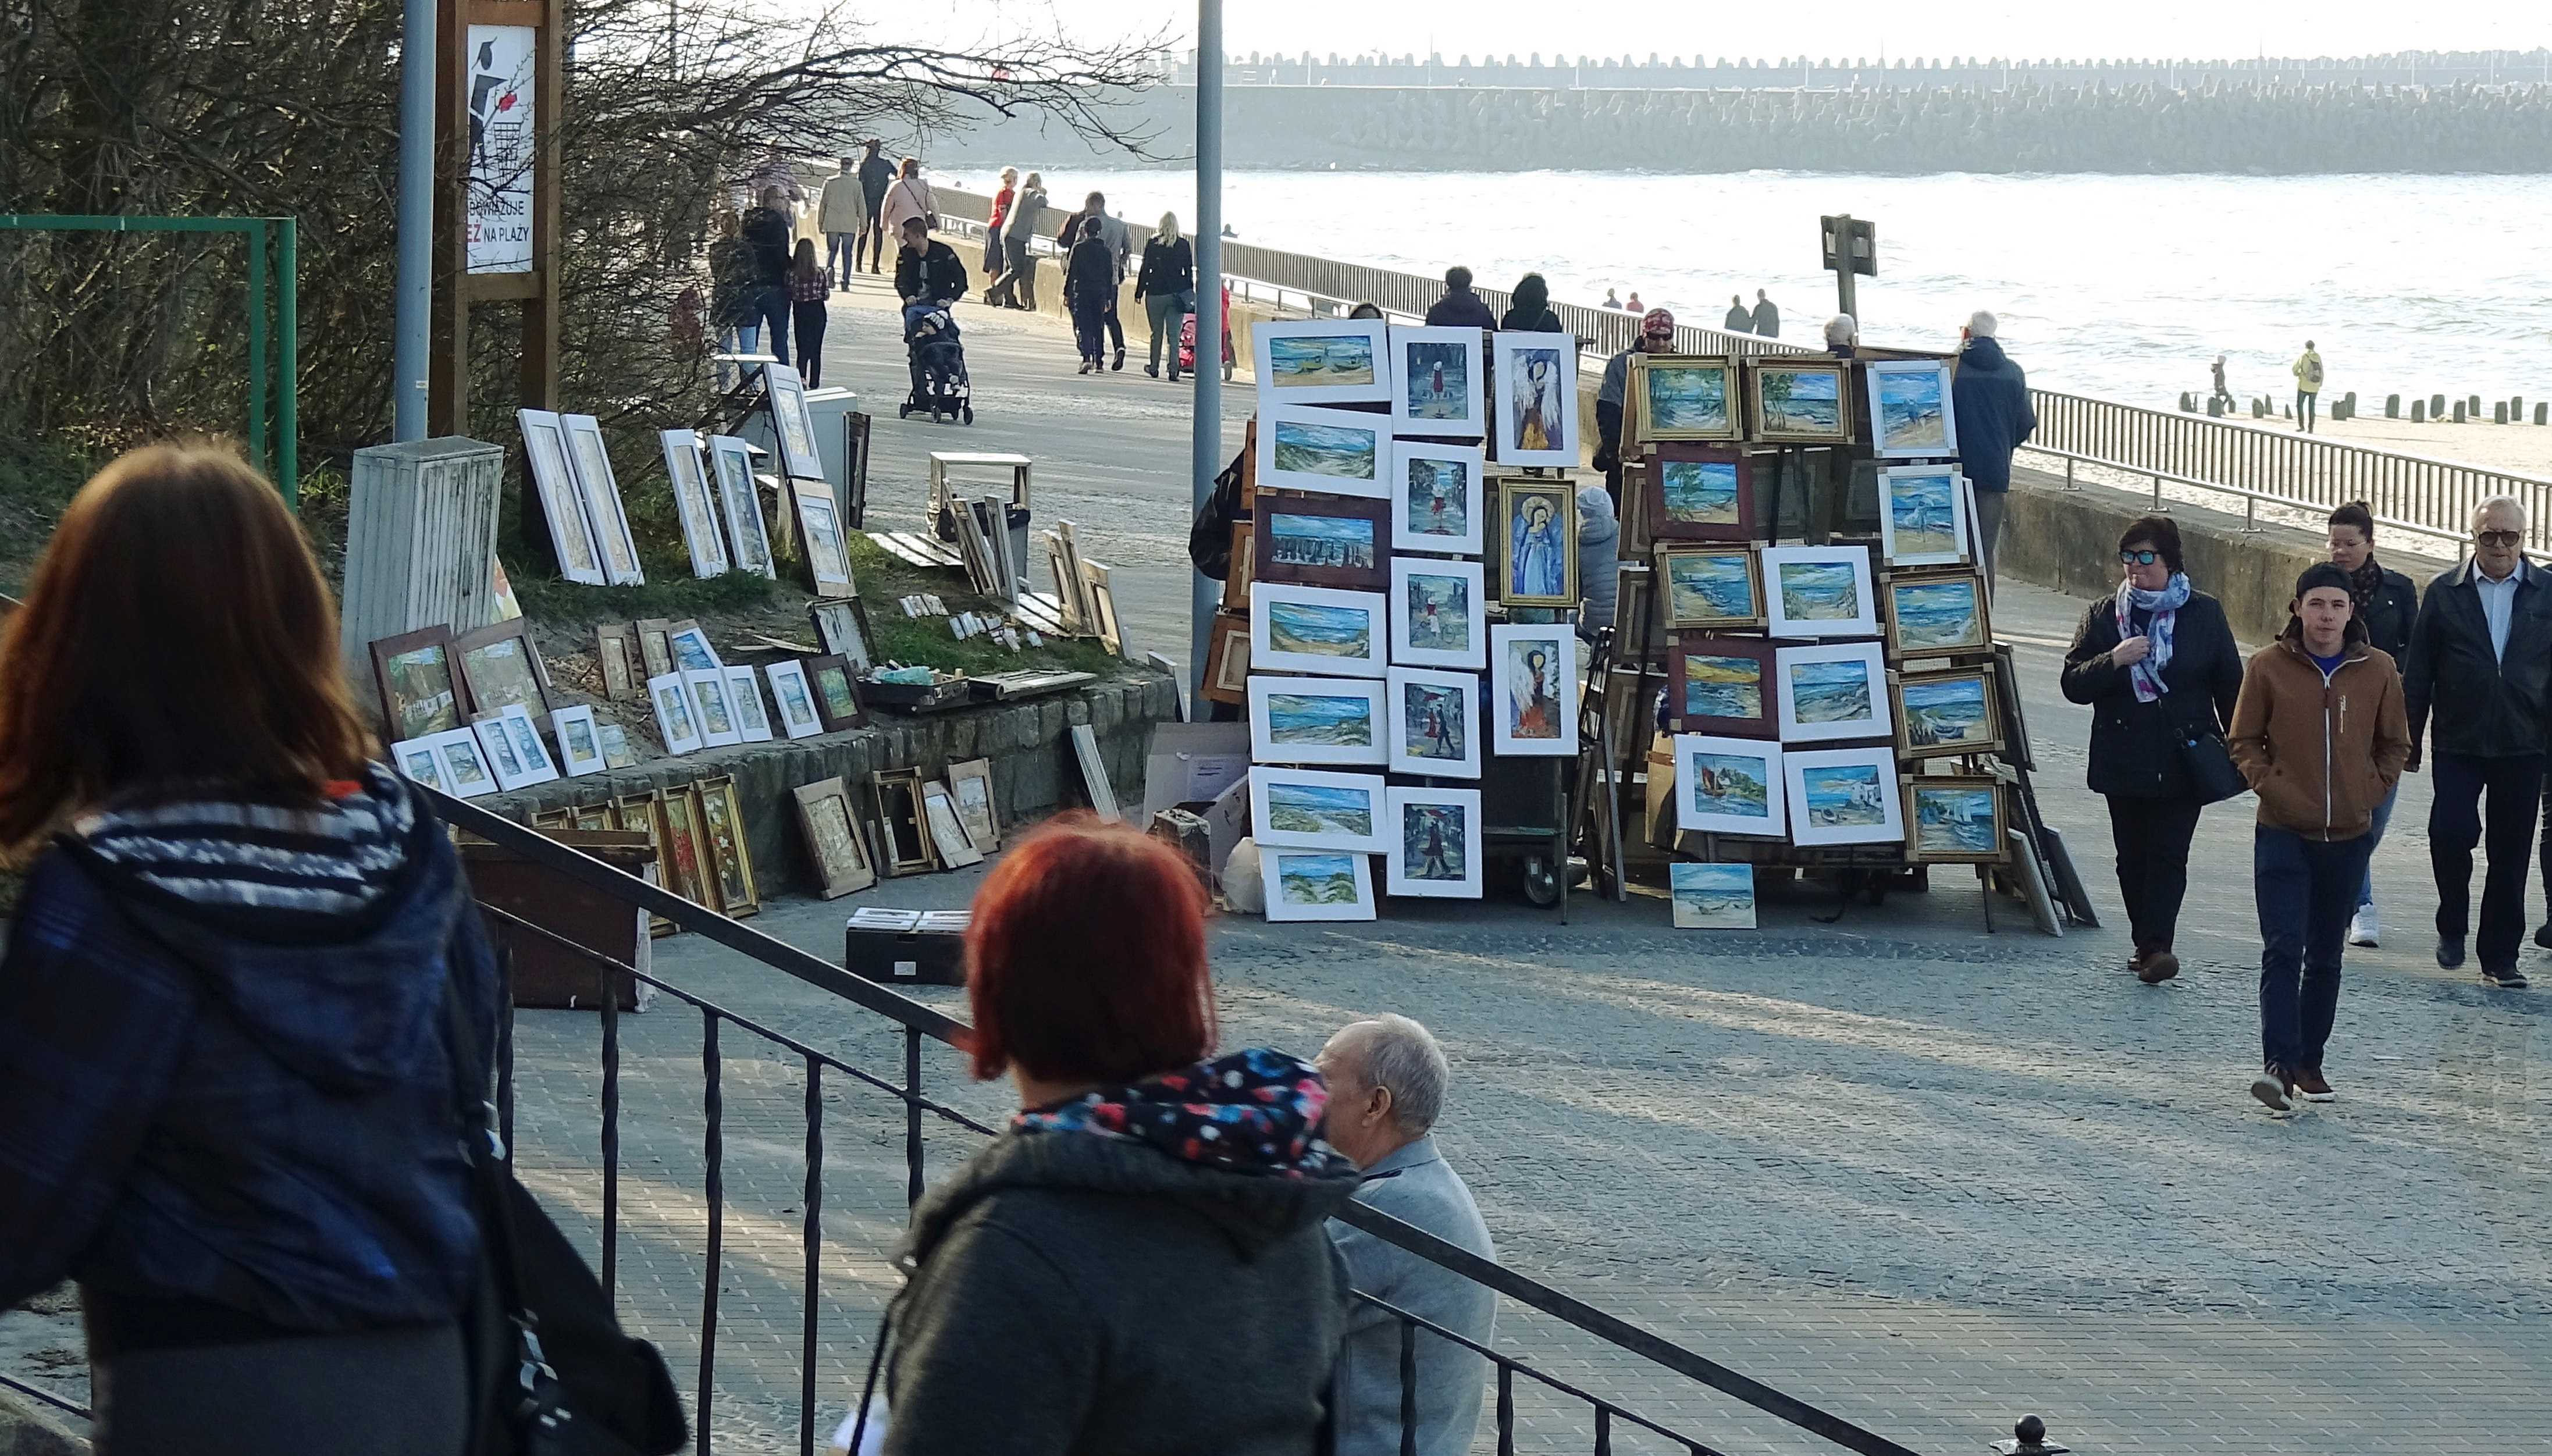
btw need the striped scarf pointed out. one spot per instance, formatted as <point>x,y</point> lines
<point>330,859</point>
<point>2146,675</point>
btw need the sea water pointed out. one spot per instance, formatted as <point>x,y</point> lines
<point>2120,287</point>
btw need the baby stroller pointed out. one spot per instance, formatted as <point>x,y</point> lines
<point>938,363</point>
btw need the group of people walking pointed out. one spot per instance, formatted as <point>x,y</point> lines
<point>2321,724</point>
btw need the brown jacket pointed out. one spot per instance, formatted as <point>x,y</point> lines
<point>2321,754</point>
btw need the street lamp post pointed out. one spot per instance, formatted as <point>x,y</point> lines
<point>415,286</point>
<point>1206,444</point>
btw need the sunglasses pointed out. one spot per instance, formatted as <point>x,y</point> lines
<point>2498,538</point>
<point>2138,557</point>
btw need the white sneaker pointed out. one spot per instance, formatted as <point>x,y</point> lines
<point>2361,926</point>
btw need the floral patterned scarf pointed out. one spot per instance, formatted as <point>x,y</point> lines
<point>1252,1111</point>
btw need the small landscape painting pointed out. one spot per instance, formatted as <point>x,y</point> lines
<point>1687,397</point>
<point>1304,718</point>
<point>1707,586</point>
<point>420,683</point>
<point>1341,452</point>
<point>1833,691</point>
<point>1909,404</point>
<point>1699,492</point>
<point>1801,401</point>
<point>1319,541</point>
<point>1722,687</point>
<point>1738,784</point>
<point>1296,361</point>
<point>1844,796</point>
<point>1954,820</point>
<point>1819,591</point>
<point>1320,631</point>
<point>1943,711</point>
<point>1711,896</point>
<point>1316,879</point>
<point>1313,809</point>
<point>1937,616</point>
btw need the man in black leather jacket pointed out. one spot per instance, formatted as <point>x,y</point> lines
<point>927,269</point>
<point>2388,606</point>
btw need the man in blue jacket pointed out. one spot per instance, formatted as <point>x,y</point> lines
<point>1989,399</point>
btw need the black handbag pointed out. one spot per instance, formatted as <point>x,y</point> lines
<point>2212,776</point>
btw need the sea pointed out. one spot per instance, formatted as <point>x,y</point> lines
<point>2120,287</point>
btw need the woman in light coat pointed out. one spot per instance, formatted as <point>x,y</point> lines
<point>906,196</point>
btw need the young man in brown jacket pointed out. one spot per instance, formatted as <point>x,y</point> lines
<point>2321,734</point>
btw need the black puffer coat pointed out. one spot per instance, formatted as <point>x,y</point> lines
<point>2135,745</point>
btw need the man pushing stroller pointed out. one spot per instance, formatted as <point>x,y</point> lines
<point>929,278</point>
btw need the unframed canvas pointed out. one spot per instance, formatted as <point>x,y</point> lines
<point>1711,896</point>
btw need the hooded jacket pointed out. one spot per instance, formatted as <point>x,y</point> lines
<point>1531,313</point>
<point>1113,1287</point>
<point>2321,752</point>
<point>1599,567</point>
<point>236,1122</point>
<point>1990,396</point>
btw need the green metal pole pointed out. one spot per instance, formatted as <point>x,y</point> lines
<point>287,383</point>
<point>257,363</point>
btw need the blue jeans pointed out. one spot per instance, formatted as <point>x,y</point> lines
<point>2305,888</point>
<point>2375,841</point>
<point>771,309</point>
<point>841,254</point>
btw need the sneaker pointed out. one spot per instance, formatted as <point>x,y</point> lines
<point>1152,369</point>
<point>2157,967</point>
<point>2314,1089</point>
<point>2543,935</point>
<point>2271,1087</point>
<point>2450,950</point>
<point>2361,928</point>
<point>2505,978</point>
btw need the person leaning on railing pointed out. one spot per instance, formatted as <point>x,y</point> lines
<point>1461,308</point>
<point>1137,1264</point>
<point>228,1106</point>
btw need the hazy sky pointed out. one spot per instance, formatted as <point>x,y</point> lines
<point>2186,29</point>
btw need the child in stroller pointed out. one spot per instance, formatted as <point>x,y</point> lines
<point>938,363</point>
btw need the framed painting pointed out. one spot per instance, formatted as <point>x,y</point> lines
<point>1948,713</point>
<point>504,757</point>
<point>691,650</point>
<point>683,847</point>
<point>615,658</point>
<point>819,532</point>
<point>1844,796</point>
<point>655,646</point>
<point>693,503</point>
<point>1438,618</point>
<point>1954,820</point>
<point>580,745</point>
<point>614,740</point>
<point>1910,416</point>
<point>1227,658</point>
<point>600,489</point>
<point>1721,684</point>
<point>1315,884</point>
<point>1437,494</point>
<point>739,504</point>
<point>1717,588</point>
<point>948,836</point>
<point>1318,720</point>
<point>744,697</point>
<point>1434,723</point>
<point>1435,847</point>
<point>1237,575</point>
<point>1323,361</point>
<point>1710,896</point>
<point>421,694</point>
<point>1818,592</point>
<point>842,627</point>
<point>415,757</point>
<point>834,846</point>
<point>1534,668</point>
<point>571,539</point>
<point>837,694</point>
<point>502,668</point>
<point>1729,786</point>
<point>463,762</point>
<point>1313,629</point>
<point>793,426</point>
<point>1676,396</point>
<point>1937,613</point>
<point>970,787</point>
<point>1831,692</point>
<point>1699,492</point>
<point>796,699</point>
<point>1306,448</point>
<point>722,834</point>
<point>1922,516</point>
<point>1795,400</point>
<point>1537,555</point>
<point>676,723</point>
<point>1319,541</point>
<point>1435,379</point>
<point>903,827</point>
<point>1537,413</point>
<point>1094,772</point>
<point>1304,808</point>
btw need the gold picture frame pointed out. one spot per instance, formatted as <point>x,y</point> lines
<point>729,863</point>
<point>1701,586</point>
<point>1944,713</point>
<point>1669,398</point>
<point>1536,530</point>
<point>1951,835</point>
<point>1792,401</point>
<point>835,846</point>
<point>1935,613</point>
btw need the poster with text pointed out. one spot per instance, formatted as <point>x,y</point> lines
<point>501,148</point>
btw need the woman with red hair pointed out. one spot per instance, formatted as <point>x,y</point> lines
<point>1138,1264</point>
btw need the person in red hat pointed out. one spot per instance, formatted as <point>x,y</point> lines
<point>1656,336</point>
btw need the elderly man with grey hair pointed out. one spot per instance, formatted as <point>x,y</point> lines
<point>1386,1080</point>
<point>1989,399</point>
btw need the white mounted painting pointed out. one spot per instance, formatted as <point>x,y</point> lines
<point>1437,383</point>
<point>1315,884</point>
<point>1711,896</point>
<point>580,557</point>
<point>1435,846</point>
<point>1322,361</point>
<point>1436,496</point>
<point>1307,448</point>
<point>1318,720</point>
<point>740,504</point>
<point>1729,786</point>
<point>1833,692</point>
<point>1910,414</point>
<point>1533,707</point>
<point>793,426</point>
<point>601,488</point>
<point>1318,629</point>
<point>1304,808</point>
<point>744,694</point>
<point>451,760</point>
<point>789,689</point>
<point>712,708</point>
<point>1819,591</point>
<point>1438,618</point>
<point>676,722</point>
<point>1434,723</point>
<point>1844,796</point>
<point>579,740</point>
<point>1922,516</point>
<point>1536,408</point>
<point>693,501</point>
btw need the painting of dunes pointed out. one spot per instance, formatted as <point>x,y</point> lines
<point>1320,631</point>
<point>1304,718</point>
<point>1833,692</point>
<point>1711,588</point>
<point>1310,809</point>
<point>1819,591</point>
<point>1334,451</point>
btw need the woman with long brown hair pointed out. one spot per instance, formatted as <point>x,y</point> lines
<point>231,1112</point>
<point>807,291</point>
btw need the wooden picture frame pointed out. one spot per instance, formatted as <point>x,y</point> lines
<point>1438,384</point>
<point>590,461</point>
<point>1440,616</point>
<point>1948,712</point>
<point>1095,578</point>
<point>1537,540</point>
<point>970,789</point>
<point>1322,361</point>
<point>1818,592</point>
<point>1922,517</point>
<point>502,668</point>
<point>903,833</point>
<point>1940,613</point>
<point>822,539</point>
<point>1535,409</point>
<point>686,848</point>
<point>739,504</point>
<point>948,836</point>
<point>571,534</point>
<point>1716,588</point>
<point>1334,452</point>
<point>1227,659</point>
<point>1439,496</point>
<point>730,856</point>
<point>643,813</point>
<point>842,628</point>
<point>1698,492</point>
<point>1943,822</point>
<point>1723,685</point>
<point>1237,576</point>
<point>694,509</point>
<point>655,646</point>
<point>1911,416</point>
<point>835,847</point>
<point>1833,692</point>
<point>1844,796</point>
<point>1340,541</point>
<point>1790,399</point>
<point>837,692</point>
<point>616,661</point>
<point>1682,396</point>
<point>421,688</point>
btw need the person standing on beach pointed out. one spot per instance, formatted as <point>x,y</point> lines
<point>875,176</point>
<point>2307,372</point>
<point>1460,308</point>
<point>1768,319</point>
<point>1611,302</point>
<point>2221,392</point>
<point>1991,397</point>
<point>1739,321</point>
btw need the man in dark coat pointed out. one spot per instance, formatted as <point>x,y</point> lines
<point>1461,308</point>
<point>1989,399</point>
<point>1767,317</point>
<point>769,232</point>
<point>1739,321</point>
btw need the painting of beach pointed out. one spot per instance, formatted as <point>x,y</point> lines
<point>1954,819</point>
<point>1833,691</point>
<point>1711,896</point>
<point>1317,880</point>
<point>1321,541</point>
<point>1819,591</point>
<point>1844,796</point>
<point>1439,381</point>
<point>1937,616</point>
<point>1320,631</point>
<point>1912,410</point>
<point>1699,492</point>
<point>1706,587</point>
<point>1722,687</point>
<point>1319,719</point>
<point>1438,497</point>
<point>1310,809</point>
<point>1687,398</point>
<point>1943,711</point>
<point>1739,784</point>
<point>1336,450</point>
<point>1922,513</point>
<point>1296,361</point>
<point>1805,402</point>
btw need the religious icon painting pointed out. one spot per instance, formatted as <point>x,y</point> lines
<point>1434,723</point>
<point>1536,556</point>
<point>1537,413</point>
<point>1533,669</point>
<point>1323,361</point>
<point>1437,616</point>
<point>1436,388</point>
<point>1436,496</point>
<point>1434,847</point>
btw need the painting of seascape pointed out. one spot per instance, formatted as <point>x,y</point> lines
<point>1722,687</point>
<point>1706,589</point>
<point>1954,820</point>
<point>1320,631</point>
<point>1333,451</point>
<point>1313,809</point>
<point>1699,492</point>
<point>1321,541</point>
<point>1832,693</point>
<point>1844,796</point>
<point>1799,402</point>
<point>1321,720</point>
<point>1942,615</point>
<point>1736,785</point>
<point>1711,896</point>
<point>1819,591</point>
<point>1951,713</point>
<point>1686,401</point>
<point>1296,361</point>
<point>1922,516</point>
<point>1909,401</point>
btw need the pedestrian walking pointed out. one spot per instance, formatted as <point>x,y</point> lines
<point>731,288</point>
<point>2480,659</point>
<point>1137,1264</point>
<point>1016,285</point>
<point>1990,395</point>
<point>2221,392</point>
<point>2308,371</point>
<point>1004,197</point>
<point>1656,336</point>
<point>1387,1080</point>
<point>769,232</point>
<point>877,175</point>
<point>2320,734</point>
<point>1635,306</point>
<point>1112,232</point>
<point>1610,301</point>
<point>1599,564</point>
<point>1768,319</point>
<point>229,1101</point>
<point>1167,287</point>
<point>907,197</point>
<point>1089,276</point>
<point>928,275</point>
<point>841,211</point>
<point>1531,313</point>
<point>2387,605</point>
<point>1460,308</point>
<point>1740,320</point>
<point>807,292</point>
<point>2157,665</point>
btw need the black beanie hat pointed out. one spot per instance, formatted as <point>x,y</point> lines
<point>2324,573</point>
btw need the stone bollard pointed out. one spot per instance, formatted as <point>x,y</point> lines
<point>2391,406</point>
<point>2188,406</point>
<point>2436,406</point>
<point>2516,408</point>
<point>2214,407</point>
<point>2350,400</point>
<point>2418,411</point>
<point>2475,406</point>
<point>2498,412</point>
<point>2029,1438</point>
<point>2459,411</point>
<point>2542,413</point>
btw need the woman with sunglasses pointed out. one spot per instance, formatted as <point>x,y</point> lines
<point>2157,665</point>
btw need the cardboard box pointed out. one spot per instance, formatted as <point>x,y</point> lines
<point>1193,763</point>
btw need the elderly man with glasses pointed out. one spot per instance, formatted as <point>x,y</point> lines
<point>2481,657</point>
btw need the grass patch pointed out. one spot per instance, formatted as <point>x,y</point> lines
<point>557,600</point>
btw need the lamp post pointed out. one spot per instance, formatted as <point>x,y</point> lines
<point>1205,443</point>
<point>415,285</point>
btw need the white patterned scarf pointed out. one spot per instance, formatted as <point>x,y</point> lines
<point>2146,675</point>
